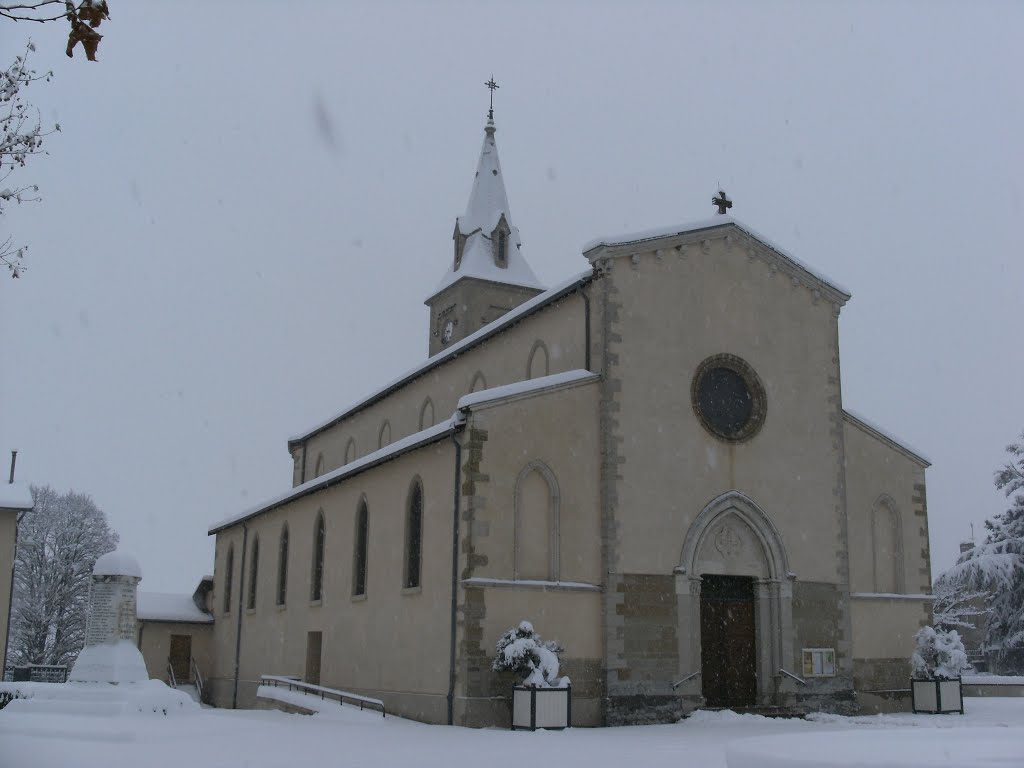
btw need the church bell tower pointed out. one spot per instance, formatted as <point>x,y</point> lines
<point>487,275</point>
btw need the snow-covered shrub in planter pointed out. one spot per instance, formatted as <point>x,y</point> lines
<point>542,699</point>
<point>938,660</point>
<point>535,662</point>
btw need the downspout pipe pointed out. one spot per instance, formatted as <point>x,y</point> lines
<point>456,512</point>
<point>586,325</point>
<point>238,619</point>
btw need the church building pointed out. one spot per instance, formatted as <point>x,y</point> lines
<point>650,460</point>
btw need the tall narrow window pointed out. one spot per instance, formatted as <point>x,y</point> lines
<point>254,565</point>
<point>282,567</point>
<point>317,579</point>
<point>350,450</point>
<point>229,573</point>
<point>501,249</point>
<point>319,465</point>
<point>362,536</point>
<point>427,414</point>
<point>414,536</point>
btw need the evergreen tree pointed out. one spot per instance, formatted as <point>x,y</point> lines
<point>996,567</point>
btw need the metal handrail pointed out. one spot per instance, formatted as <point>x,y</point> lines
<point>688,677</point>
<point>198,678</point>
<point>310,689</point>
<point>170,674</point>
<point>790,674</point>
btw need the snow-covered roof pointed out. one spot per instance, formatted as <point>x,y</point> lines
<point>489,330</point>
<point>15,496</point>
<point>901,445</point>
<point>635,238</point>
<point>388,452</point>
<point>531,386</point>
<point>488,202</point>
<point>165,606</point>
<point>117,563</point>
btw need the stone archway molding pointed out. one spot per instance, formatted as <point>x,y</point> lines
<point>741,506</point>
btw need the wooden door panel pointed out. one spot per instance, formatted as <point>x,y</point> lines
<point>180,656</point>
<point>728,649</point>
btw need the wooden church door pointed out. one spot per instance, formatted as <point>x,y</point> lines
<point>727,641</point>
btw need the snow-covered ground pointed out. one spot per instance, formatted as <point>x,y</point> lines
<point>991,734</point>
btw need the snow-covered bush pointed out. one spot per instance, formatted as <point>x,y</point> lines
<point>535,662</point>
<point>939,654</point>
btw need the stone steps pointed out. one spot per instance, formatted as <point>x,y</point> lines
<point>765,711</point>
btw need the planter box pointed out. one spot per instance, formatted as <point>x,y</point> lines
<point>937,697</point>
<point>534,708</point>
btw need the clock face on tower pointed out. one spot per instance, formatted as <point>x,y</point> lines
<point>446,333</point>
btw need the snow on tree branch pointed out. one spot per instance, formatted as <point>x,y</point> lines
<point>995,567</point>
<point>21,136</point>
<point>59,541</point>
<point>535,662</point>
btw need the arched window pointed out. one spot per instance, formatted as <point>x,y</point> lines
<point>413,536</point>
<point>317,577</point>
<point>537,365</point>
<point>427,414</point>
<point>229,573</point>
<point>479,382</point>
<point>350,450</point>
<point>254,565</point>
<point>319,465</point>
<point>887,546</point>
<point>385,434</point>
<point>536,538</point>
<point>282,567</point>
<point>361,542</point>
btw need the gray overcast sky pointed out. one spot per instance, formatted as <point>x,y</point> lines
<point>248,204</point>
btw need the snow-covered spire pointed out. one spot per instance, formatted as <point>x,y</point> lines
<point>486,242</point>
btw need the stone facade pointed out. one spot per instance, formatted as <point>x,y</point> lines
<point>595,499</point>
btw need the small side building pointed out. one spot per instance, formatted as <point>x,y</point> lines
<point>15,500</point>
<point>175,633</point>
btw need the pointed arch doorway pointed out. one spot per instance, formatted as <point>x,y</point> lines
<point>735,605</point>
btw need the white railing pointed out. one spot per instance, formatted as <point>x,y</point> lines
<point>324,693</point>
<point>794,677</point>
<point>688,677</point>
<point>197,678</point>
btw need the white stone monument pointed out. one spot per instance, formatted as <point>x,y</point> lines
<point>110,655</point>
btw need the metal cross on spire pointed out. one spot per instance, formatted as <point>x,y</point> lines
<point>493,86</point>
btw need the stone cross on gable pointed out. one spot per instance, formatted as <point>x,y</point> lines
<point>723,202</point>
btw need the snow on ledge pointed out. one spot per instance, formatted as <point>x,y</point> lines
<point>164,606</point>
<point>889,596</point>
<point>564,586</point>
<point>117,563</point>
<point>992,679</point>
<point>388,452</point>
<point>712,223</point>
<point>509,318</point>
<point>530,386</point>
<point>15,496</point>
<point>899,444</point>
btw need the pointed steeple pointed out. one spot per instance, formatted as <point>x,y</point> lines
<point>487,273</point>
<point>487,243</point>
